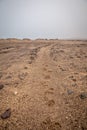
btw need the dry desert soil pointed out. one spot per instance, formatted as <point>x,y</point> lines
<point>43,85</point>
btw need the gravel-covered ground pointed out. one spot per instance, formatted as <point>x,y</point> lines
<point>43,85</point>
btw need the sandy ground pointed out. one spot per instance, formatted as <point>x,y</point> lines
<point>45,84</point>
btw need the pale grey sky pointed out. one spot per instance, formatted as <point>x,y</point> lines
<point>43,19</point>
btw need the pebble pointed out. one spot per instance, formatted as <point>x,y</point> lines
<point>1,86</point>
<point>83,95</point>
<point>74,80</point>
<point>69,92</point>
<point>66,117</point>
<point>25,67</point>
<point>6,114</point>
<point>15,93</point>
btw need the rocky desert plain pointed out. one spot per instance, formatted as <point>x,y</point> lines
<point>43,84</point>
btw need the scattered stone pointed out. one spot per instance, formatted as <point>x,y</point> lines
<point>1,86</point>
<point>6,114</point>
<point>66,117</point>
<point>83,95</point>
<point>69,92</point>
<point>74,80</point>
<point>25,67</point>
<point>15,93</point>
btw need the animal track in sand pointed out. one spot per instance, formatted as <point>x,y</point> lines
<point>48,124</point>
<point>49,92</point>
<point>47,70</point>
<point>48,97</point>
<point>44,83</point>
<point>51,103</point>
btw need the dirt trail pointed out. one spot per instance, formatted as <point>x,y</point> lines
<point>45,85</point>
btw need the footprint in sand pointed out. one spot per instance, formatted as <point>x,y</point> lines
<point>49,92</point>
<point>48,124</point>
<point>47,70</point>
<point>51,103</point>
<point>48,97</point>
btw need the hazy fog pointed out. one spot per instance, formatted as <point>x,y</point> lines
<point>43,19</point>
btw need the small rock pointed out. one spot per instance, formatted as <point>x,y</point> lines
<point>1,86</point>
<point>69,92</point>
<point>15,93</point>
<point>25,67</point>
<point>66,117</point>
<point>6,114</point>
<point>74,79</point>
<point>83,95</point>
